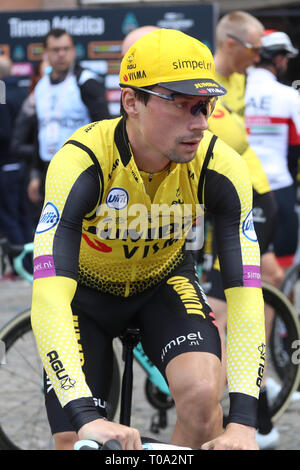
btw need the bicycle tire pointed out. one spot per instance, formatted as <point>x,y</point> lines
<point>289,374</point>
<point>289,377</point>
<point>292,276</point>
<point>22,354</point>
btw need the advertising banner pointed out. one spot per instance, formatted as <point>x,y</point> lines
<point>98,34</point>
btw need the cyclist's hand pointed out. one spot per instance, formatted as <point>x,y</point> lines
<point>34,190</point>
<point>101,431</point>
<point>235,437</point>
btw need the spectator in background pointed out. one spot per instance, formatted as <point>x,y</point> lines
<point>273,121</point>
<point>15,223</point>
<point>65,100</point>
<point>24,144</point>
<point>24,139</point>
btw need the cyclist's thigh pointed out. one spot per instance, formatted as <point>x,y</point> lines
<point>271,270</point>
<point>214,285</point>
<point>95,347</point>
<point>178,319</point>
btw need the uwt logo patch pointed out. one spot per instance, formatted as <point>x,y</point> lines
<point>49,218</point>
<point>248,228</point>
<point>117,198</point>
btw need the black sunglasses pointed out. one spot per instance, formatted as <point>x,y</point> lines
<point>250,47</point>
<point>204,107</point>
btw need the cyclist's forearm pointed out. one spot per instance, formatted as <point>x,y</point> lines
<point>245,351</point>
<point>52,323</point>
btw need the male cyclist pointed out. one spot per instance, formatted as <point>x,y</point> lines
<point>105,258</point>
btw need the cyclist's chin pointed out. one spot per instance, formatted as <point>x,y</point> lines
<point>183,157</point>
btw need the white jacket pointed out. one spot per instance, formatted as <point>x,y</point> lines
<point>273,122</point>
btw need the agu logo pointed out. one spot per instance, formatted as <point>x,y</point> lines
<point>248,228</point>
<point>49,218</point>
<point>117,198</point>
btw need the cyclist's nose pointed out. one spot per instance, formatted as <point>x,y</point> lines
<point>256,58</point>
<point>199,122</point>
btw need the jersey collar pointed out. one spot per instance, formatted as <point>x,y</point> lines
<point>122,142</point>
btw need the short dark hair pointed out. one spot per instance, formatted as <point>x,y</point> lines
<point>267,57</point>
<point>140,95</point>
<point>56,33</point>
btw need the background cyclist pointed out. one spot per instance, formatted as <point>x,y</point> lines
<point>239,36</point>
<point>273,122</point>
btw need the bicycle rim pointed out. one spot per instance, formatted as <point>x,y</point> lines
<point>289,377</point>
<point>23,420</point>
<point>280,352</point>
<point>291,286</point>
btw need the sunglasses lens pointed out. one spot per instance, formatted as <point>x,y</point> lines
<point>198,108</point>
<point>206,108</point>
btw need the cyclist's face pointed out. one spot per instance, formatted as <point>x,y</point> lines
<point>169,129</point>
<point>244,57</point>
<point>60,53</point>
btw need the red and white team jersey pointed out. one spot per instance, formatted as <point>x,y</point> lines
<point>273,123</point>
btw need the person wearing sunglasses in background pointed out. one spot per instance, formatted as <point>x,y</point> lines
<point>273,122</point>
<point>239,41</point>
<point>91,264</point>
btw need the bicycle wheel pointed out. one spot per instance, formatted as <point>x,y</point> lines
<point>23,420</point>
<point>291,286</point>
<point>280,366</point>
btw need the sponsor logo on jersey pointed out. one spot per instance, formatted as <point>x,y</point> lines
<point>218,114</point>
<point>251,276</point>
<point>117,198</point>
<point>248,228</point>
<point>65,381</point>
<point>43,267</point>
<point>96,244</point>
<point>49,218</point>
<point>262,360</point>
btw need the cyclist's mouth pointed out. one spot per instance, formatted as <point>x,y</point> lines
<point>192,144</point>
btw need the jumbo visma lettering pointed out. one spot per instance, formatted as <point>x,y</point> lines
<point>137,75</point>
<point>187,294</point>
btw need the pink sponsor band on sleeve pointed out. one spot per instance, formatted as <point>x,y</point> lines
<point>43,267</point>
<point>252,276</point>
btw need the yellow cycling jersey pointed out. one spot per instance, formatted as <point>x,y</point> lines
<point>235,86</point>
<point>230,127</point>
<point>99,228</point>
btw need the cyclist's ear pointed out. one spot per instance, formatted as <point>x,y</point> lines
<point>130,102</point>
